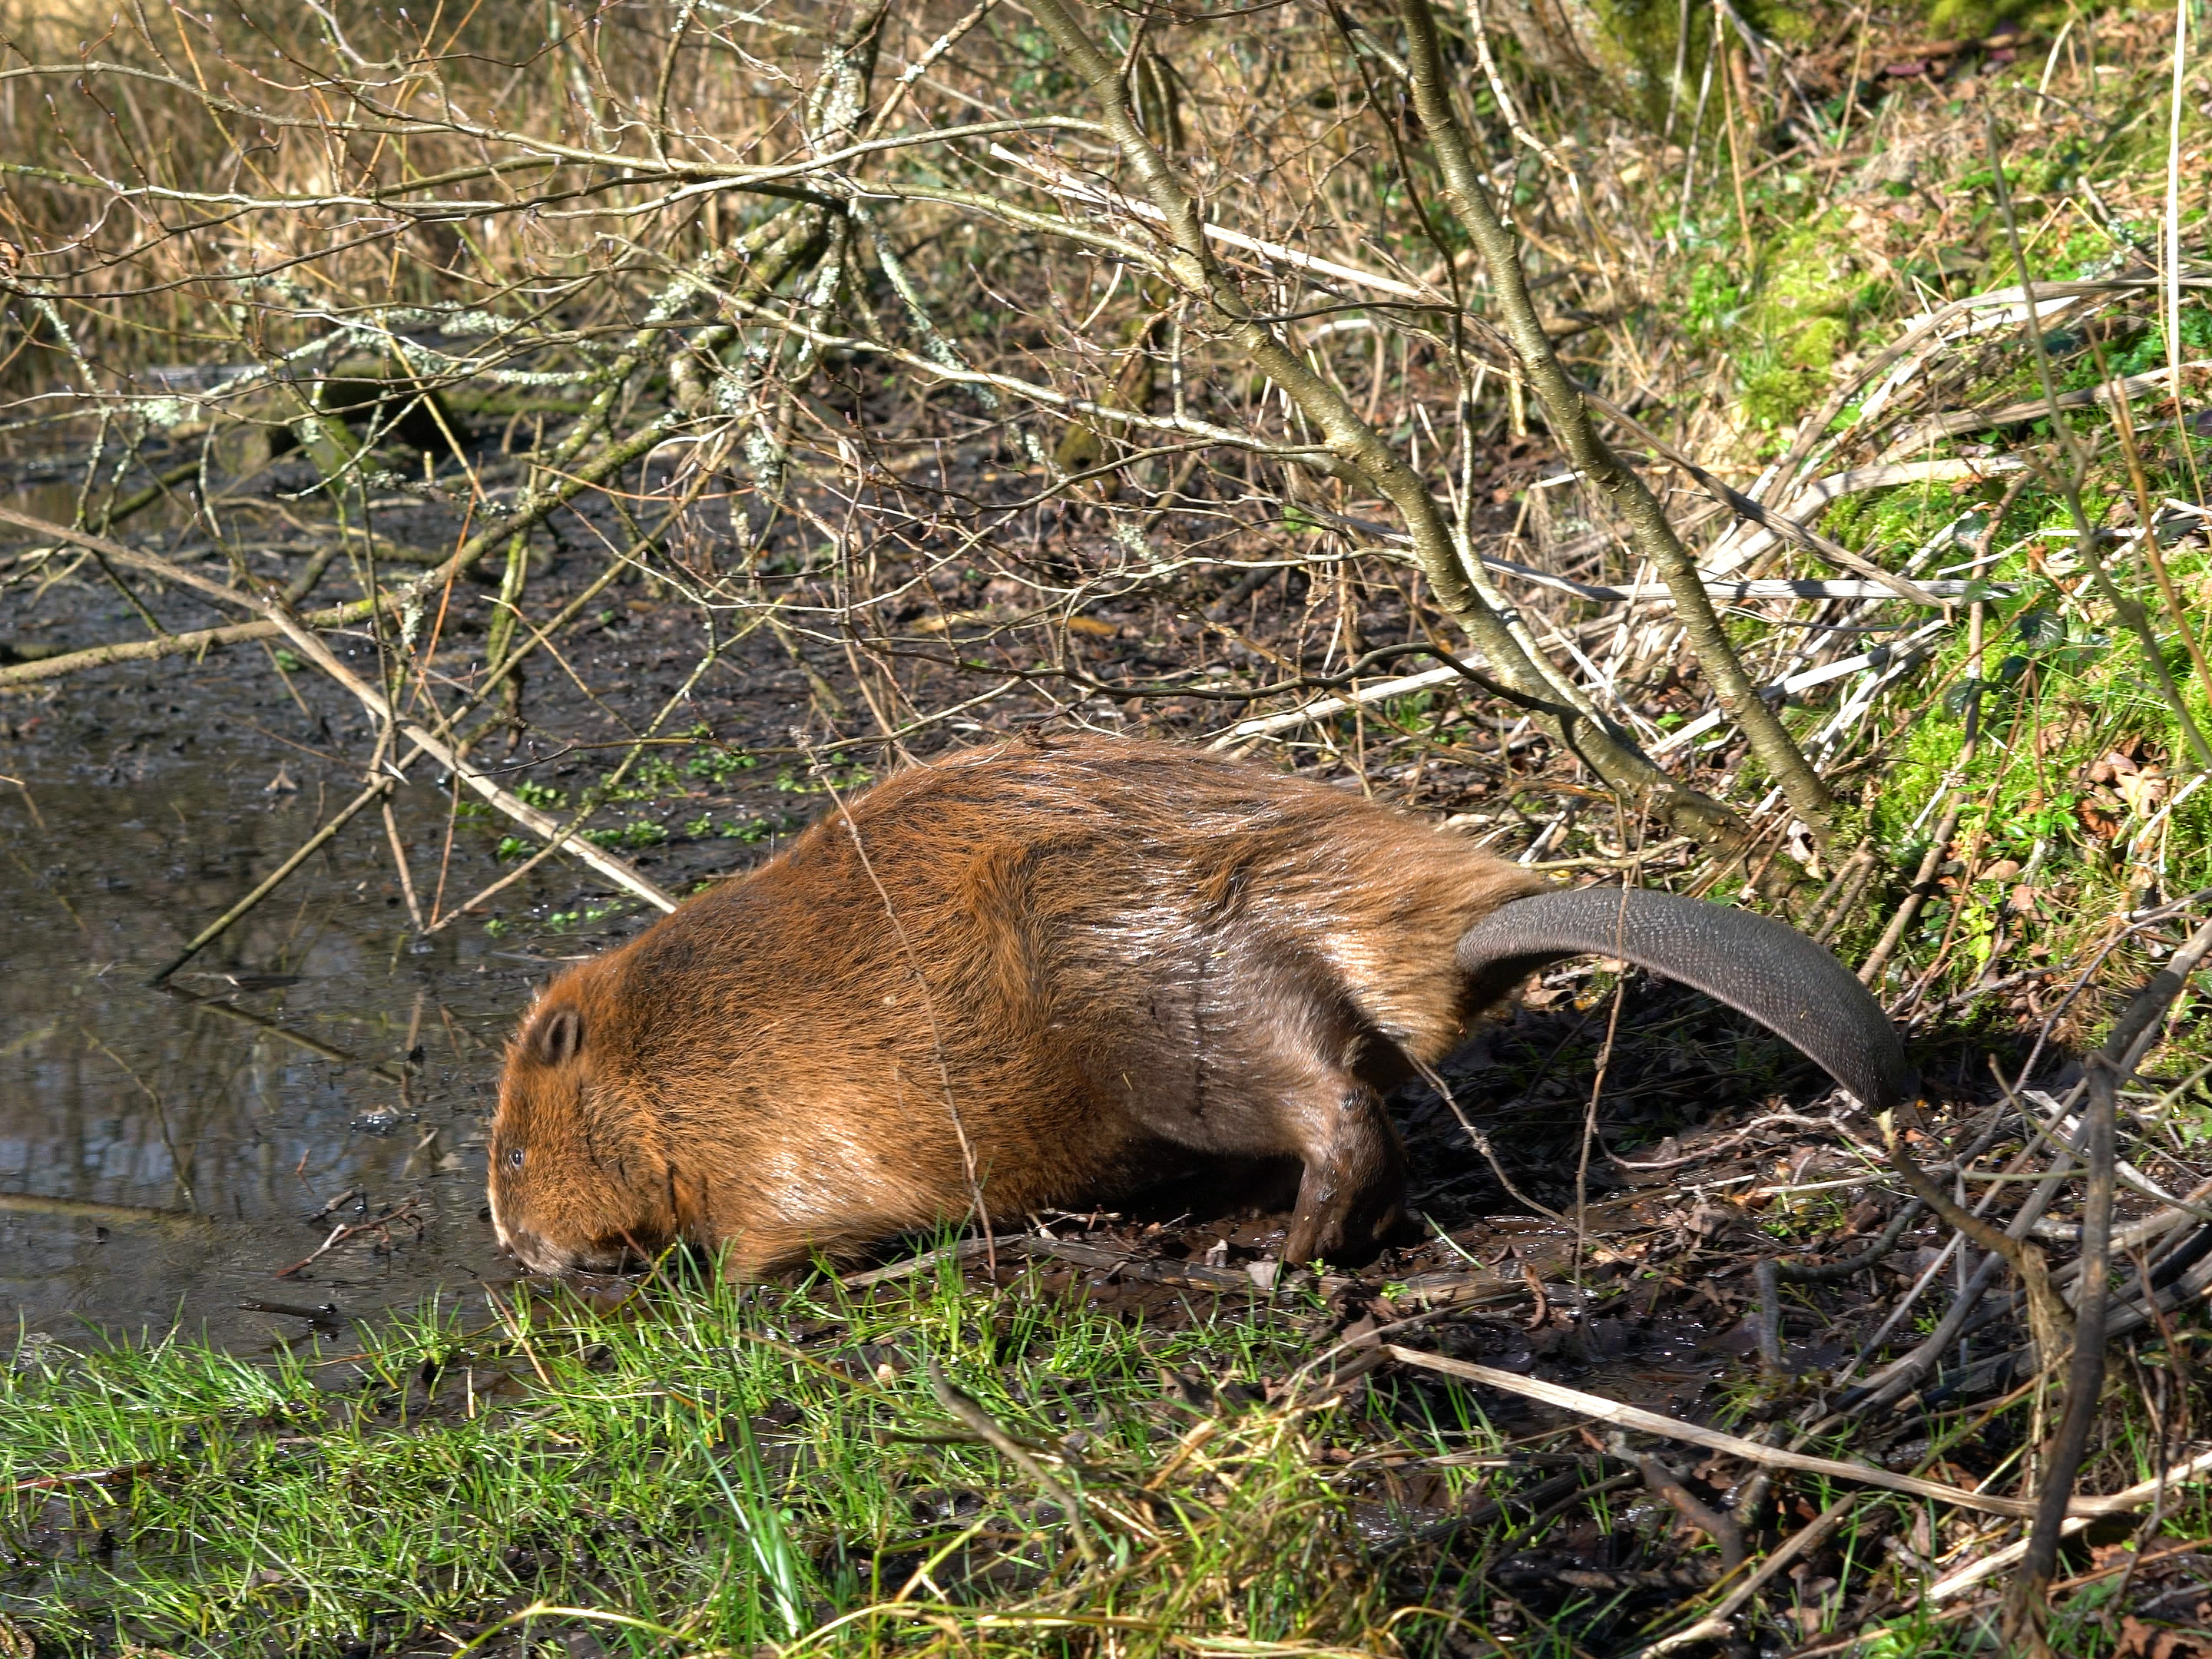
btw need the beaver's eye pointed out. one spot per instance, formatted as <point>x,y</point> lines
<point>514,1158</point>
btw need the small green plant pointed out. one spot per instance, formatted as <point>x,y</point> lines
<point>841,778</point>
<point>638,832</point>
<point>649,780</point>
<point>718,766</point>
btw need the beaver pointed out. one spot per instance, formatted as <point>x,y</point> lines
<point>1051,972</point>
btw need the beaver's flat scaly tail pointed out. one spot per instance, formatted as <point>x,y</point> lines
<point>1781,979</point>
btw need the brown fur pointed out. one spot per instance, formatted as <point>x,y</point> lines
<point>1089,958</point>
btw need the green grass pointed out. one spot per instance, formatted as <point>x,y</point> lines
<point>706,1469</point>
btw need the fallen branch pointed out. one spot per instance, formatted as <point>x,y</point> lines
<point>402,1212</point>
<point>2135,1497</point>
<point>196,641</point>
<point>380,710</point>
<point>538,824</point>
<point>1885,656</point>
<point>1642,1422</point>
<point>1196,1275</point>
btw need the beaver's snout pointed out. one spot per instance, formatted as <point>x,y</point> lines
<point>541,1254</point>
<point>534,1253</point>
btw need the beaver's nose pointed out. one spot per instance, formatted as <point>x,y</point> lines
<point>536,1252</point>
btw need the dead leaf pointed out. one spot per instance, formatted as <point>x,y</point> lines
<point>2099,814</point>
<point>938,624</point>
<point>2112,763</point>
<point>2142,791</point>
<point>1709,1220</point>
<point>2142,1640</point>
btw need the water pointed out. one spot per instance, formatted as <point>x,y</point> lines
<point>160,1150</point>
<point>167,1154</point>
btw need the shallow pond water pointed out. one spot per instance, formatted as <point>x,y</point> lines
<point>160,1150</point>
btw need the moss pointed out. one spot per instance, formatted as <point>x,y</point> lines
<point>1892,517</point>
<point>1631,44</point>
<point>1970,19</point>
<point>1803,313</point>
<point>1643,34</point>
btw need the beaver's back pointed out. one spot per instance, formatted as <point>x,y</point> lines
<point>1022,886</point>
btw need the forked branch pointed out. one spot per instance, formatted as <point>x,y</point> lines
<point>1650,533</point>
<point>1361,452</point>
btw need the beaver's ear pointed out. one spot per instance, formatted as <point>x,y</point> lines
<point>557,1037</point>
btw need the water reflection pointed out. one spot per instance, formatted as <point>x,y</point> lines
<point>160,1150</point>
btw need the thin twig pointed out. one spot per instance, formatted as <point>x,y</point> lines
<point>970,1412</point>
<point>1642,1422</point>
<point>377,790</point>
